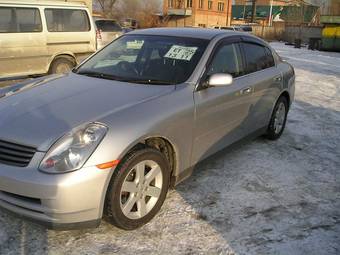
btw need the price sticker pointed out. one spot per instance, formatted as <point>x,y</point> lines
<point>181,52</point>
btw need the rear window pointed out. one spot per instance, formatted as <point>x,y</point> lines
<point>67,20</point>
<point>19,20</point>
<point>108,26</point>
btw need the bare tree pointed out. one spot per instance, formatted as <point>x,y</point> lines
<point>142,10</point>
<point>107,7</point>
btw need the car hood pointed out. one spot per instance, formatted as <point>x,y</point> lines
<point>40,111</point>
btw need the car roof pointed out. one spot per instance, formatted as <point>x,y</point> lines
<point>199,33</point>
<point>44,3</point>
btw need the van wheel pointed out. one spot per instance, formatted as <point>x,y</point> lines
<point>278,120</point>
<point>61,66</point>
<point>138,189</point>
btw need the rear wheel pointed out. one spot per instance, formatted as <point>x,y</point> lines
<point>61,66</point>
<point>278,119</point>
<point>138,189</point>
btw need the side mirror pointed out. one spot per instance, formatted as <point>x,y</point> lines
<point>220,79</point>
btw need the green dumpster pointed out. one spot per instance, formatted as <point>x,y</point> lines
<point>331,38</point>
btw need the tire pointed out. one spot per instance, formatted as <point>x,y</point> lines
<point>277,121</point>
<point>126,172</point>
<point>61,65</point>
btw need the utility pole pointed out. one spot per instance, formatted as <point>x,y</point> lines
<point>271,13</point>
<point>253,11</point>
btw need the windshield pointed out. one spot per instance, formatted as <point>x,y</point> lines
<point>108,25</point>
<point>161,60</point>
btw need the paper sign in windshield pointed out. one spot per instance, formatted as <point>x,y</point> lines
<point>135,45</point>
<point>181,52</point>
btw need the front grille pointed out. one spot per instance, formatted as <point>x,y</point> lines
<point>15,154</point>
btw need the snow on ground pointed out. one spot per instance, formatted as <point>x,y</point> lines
<point>265,197</point>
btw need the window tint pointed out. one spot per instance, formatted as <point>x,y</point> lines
<point>19,20</point>
<point>67,20</point>
<point>258,57</point>
<point>6,20</point>
<point>227,60</point>
<point>270,59</point>
<point>28,20</point>
<point>108,25</point>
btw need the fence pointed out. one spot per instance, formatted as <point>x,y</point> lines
<point>288,33</point>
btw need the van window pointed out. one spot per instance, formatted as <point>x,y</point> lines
<point>20,20</point>
<point>67,20</point>
<point>28,20</point>
<point>6,20</point>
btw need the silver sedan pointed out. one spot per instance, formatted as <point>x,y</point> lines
<point>110,138</point>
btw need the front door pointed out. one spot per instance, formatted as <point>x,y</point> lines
<point>221,112</point>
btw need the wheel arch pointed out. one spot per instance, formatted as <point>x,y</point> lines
<point>160,143</point>
<point>285,94</point>
<point>67,55</point>
<point>153,141</point>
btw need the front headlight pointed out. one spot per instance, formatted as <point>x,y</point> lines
<point>71,151</point>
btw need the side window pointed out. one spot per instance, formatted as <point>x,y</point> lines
<point>28,20</point>
<point>20,20</point>
<point>67,20</point>
<point>7,19</point>
<point>270,59</point>
<point>257,57</point>
<point>227,60</point>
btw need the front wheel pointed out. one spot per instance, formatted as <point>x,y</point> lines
<point>278,119</point>
<point>138,189</point>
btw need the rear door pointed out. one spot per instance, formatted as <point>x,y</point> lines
<point>266,80</point>
<point>22,41</point>
<point>221,112</point>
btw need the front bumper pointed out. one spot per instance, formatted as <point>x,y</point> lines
<point>62,201</point>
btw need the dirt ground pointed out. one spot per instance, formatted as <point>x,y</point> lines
<point>264,197</point>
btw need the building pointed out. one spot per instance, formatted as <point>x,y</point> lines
<point>327,7</point>
<point>293,11</point>
<point>262,2</point>
<point>197,13</point>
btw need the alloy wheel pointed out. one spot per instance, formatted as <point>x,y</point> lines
<point>141,189</point>
<point>280,116</point>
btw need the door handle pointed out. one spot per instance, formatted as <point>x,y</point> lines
<point>278,78</point>
<point>246,91</point>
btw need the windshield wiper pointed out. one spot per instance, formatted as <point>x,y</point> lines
<point>151,82</point>
<point>117,78</point>
<point>100,75</point>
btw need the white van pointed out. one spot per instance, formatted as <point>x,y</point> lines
<point>39,37</point>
